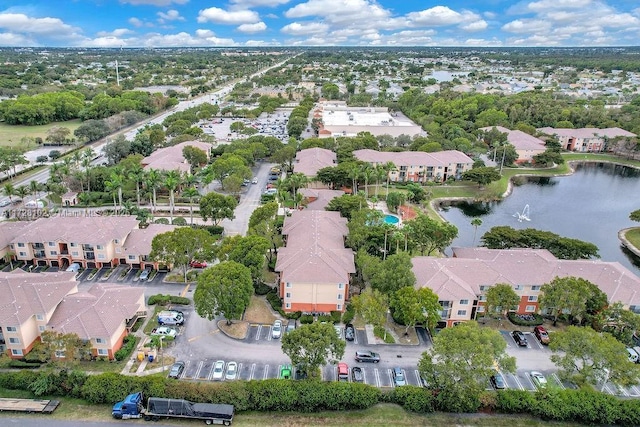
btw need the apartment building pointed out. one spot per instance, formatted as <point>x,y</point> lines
<point>525,145</point>
<point>309,161</point>
<point>418,166</point>
<point>586,139</point>
<point>461,281</point>
<point>33,303</point>
<point>91,241</point>
<point>171,158</point>
<point>314,266</point>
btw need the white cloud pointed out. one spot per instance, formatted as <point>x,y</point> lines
<point>438,15</point>
<point>170,15</point>
<point>252,28</point>
<point>115,33</point>
<point>136,22</point>
<point>12,39</point>
<point>482,42</point>
<point>475,26</point>
<point>159,3</point>
<point>352,13</point>
<point>521,26</point>
<point>21,23</point>
<point>545,5</point>
<point>305,28</point>
<point>107,41</point>
<point>247,4</point>
<point>221,16</point>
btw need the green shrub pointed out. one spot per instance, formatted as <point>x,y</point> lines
<point>179,221</point>
<point>161,221</point>
<point>336,316</point>
<point>262,288</point>
<point>17,380</point>
<point>349,314</point>
<point>21,364</point>
<point>325,318</point>
<point>128,344</point>
<point>295,315</point>
<point>515,401</point>
<point>274,300</point>
<point>414,399</point>
<point>160,299</point>
<point>306,319</point>
<point>538,320</point>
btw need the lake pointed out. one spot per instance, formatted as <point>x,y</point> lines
<point>592,205</point>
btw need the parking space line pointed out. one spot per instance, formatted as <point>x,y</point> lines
<point>606,387</point>
<point>533,386</point>
<point>239,370</point>
<point>418,377</point>
<point>184,372</point>
<point>635,390</point>
<point>534,339</point>
<point>269,333</point>
<point>624,391</point>
<point>258,334</point>
<point>266,372</point>
<point>210,374</point>
<point>197,374</point>
<point>364,376</point>
<point>185,290</point>
<point>390,378</point>
<point>558,380</point>
<point>253,369</point>
<point>377,376</point>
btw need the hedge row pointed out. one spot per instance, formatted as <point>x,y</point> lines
<point>537,319</point>
<point>160,299</point>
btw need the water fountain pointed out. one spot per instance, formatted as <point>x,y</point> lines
<point>524,215</point>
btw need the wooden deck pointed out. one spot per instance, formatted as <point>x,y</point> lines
<point>28,405</point>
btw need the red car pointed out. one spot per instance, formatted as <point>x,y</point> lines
<point>197,264</point>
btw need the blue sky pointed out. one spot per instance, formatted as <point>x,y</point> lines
<point>243,23</point>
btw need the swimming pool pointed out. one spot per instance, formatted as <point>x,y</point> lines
<point>391,219</point>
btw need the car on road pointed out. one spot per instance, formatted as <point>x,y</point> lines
<point>357,375</point>
<point>519,338</point>
<point>398,377</point>
<point>198,264</point>
<point>497,381</point>
<point>367,356</point>
<point>538,379</point>
<point>176,370</point>
<point>291,326</point>
<point>349,332</point>
<point>145,274</point>
<point>542,335</point>
<point>232,371</point>
<point>218,370</point>
<point>254,181</point>
<point>276,329</point>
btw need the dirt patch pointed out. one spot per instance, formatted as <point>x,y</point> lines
<point>238,329</point>
<point>259,311</point>
<point>411,337</point>
<point>407,213</point>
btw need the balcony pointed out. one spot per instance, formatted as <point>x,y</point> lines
<point>37,246</point>
<point>89,255</point>
<point>39,254</point>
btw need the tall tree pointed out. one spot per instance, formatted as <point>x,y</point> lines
<point>372,305</point>
<point>586,356</point>
<point>190,193</point>
<point>152,180</point>
<point>217,207</point>
<point>313,345</point>
<point>249,251</point>
<point>430,235</point>
<point>393,274</point>
<point>635,215</point>
<point>412,306</point>
<point>482,175</point>
<point>172,182</point>
<point>502,298</point>
<point>224,289</point>
<point>179,247</point>
<point>460,363</point>
<point>476,222</point>
<point>568,295</point>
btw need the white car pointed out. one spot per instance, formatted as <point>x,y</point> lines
<point>232,371</point>
<point>218,370</point>
<point>254,181</point>
<point>163,331</point>
<point>538,379</point>
<point>276,329</point>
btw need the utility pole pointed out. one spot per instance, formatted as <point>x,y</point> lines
<point>504,151</point>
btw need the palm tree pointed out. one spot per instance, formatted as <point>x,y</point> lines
<point>379,174</point>
<point>152,180</point>
<point>172,181</point>
<point>86,164</point>
<point>190,192</point>
<point>76,157</point>
<point>367,172</point>
<point>114,185</point>
<point>476,222</point>
<point>9,190</point>
<point>388,168</point>
<point>84,199</point>
<point>22,191</point>
<point>296,181</point>
<point>137,173</point>
<point>354,174</point>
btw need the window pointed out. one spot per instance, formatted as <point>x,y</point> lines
<point>481,309</point>
<point>339,307</point>
<point>132,257</point>
<point>635,308</point>
<point>339,296</point>
<point>99,247</point>
<point>287,295</point>
<point>103,352</point>
<point>288,285</point>
<point>12,329</point>
<point>483,287</point>
<point>23,254</point>
<point>39,317</point>
<point>518,287</point>
<point>42,328</point>
<point>482,298</point>
<point>116,241</point>
<point>73,245</point>
<point>54,252</point>
<point>340,285</point>
<point>530,308</point>
<point>74,253</point>
<point>21,245</point>
<point>462,312</point>
<point>101,256</point>
<point>464,301</point>
<point>14,340</point>
<point>287,305</point>
<point>535,288</point>
<point>16,352</point>
<point>51,244</point>
<point>533,298</point>
<point>100,340</point>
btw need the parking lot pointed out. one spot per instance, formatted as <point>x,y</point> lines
<point>259,334</point>
<point>267,124</point>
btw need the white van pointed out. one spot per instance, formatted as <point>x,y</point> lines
<point>75,267</point>
<point>633,356</point>
<point>171,317</point>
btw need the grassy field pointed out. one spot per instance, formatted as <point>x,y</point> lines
<point>12,135</point>
<point>634,237</point>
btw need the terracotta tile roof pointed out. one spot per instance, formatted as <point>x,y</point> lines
<point>587,132</point>
<point>315,251</point>
<point>413,158</point>
<point>322,196</point>
<point>26,294</point>
<point>311,160</point>
<point>520,140</point>
<point>98,312</point>
<point>138,242</point>
<point>171,158</point>
<point>85,230</point>
<point>471,268</point>
<point>10,229</point>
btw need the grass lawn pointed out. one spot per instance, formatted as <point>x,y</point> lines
<point>633,236</point>
<point>10,135</point>
<point>259,311</point>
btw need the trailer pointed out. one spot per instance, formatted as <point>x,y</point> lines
<point>30,406</point>
<point>157,407</point>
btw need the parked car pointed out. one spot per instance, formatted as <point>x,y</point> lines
<point>357,375</point>
<point>497,381</point>
<point>171,317</point>
<point>74,267</point>
<point>285,372</point>
<point>232,371</point>
<point>338,330</point>
<point>542,335</point>
<point>254,181</point>
<point>176,370</point>
<point>367,356</point>
<point>145,274</point>
<point>349,332</point>
<point>343,372</point>
<point>291,326</point>
<point>198,264</point>
<point>519,338</point>
<point>538,379</point>
<point>163,331</point>
<point>398,377</point>
<point>276,329</point>
<point>218,370</point>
